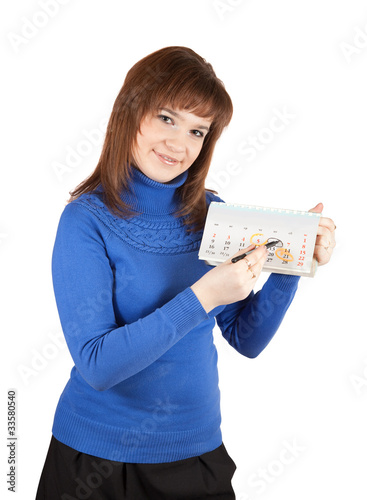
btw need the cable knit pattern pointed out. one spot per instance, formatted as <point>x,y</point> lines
<point>147,235</point>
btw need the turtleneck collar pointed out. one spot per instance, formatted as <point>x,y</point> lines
<point>152,197</point>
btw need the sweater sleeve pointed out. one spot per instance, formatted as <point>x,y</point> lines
<point>249,325</point>
<point>105,353</point>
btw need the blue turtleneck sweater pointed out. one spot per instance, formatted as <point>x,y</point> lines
<point>144,387</point>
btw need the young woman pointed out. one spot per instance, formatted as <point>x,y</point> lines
<point>140,417</point>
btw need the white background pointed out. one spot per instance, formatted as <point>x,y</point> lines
<point>61,74</point>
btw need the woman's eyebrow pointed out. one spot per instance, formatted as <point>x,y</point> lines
<point>177,115</point>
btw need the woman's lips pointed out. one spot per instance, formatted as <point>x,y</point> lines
<point>167,160</point>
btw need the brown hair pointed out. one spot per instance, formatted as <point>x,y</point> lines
<point>172,76</point>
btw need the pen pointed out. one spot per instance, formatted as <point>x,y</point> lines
<point>267,245</point>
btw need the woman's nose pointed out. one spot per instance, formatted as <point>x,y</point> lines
<point>176,144</point>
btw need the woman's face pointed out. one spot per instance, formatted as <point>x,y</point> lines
<point>168,143</point>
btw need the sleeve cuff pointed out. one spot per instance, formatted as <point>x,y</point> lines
<point>284,282</point>
<point>185,311</point>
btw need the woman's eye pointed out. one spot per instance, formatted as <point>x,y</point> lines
<point>165,119</point>
<point>197,133</point>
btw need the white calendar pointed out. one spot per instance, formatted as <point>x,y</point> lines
<point>230,228</point>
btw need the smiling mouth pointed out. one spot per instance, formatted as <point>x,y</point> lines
<point>168,160</point>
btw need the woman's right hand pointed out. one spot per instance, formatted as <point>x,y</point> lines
<point>228,282</point>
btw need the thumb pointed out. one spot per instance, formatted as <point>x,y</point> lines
<point>317,209</point>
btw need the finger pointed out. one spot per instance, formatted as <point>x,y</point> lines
<point>325,237</point>
<point>324,221</point>
<point>257,267</point>
<point>326,241</point>
<point>328,223</point>
<point>322,254</point>
<point>254,257</point>
<point>253,273</point>
<point>317,209</point>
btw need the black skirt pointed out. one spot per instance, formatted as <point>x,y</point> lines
<point>71,475</point>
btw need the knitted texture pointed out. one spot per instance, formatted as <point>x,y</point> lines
<point>144,385</point>
<point>166,237</point>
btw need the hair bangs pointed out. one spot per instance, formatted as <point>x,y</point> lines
<point>206,98</point>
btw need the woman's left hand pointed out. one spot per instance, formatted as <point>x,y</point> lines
<point>325,240</point>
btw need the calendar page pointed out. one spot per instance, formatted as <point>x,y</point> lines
<point>230,228</point>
